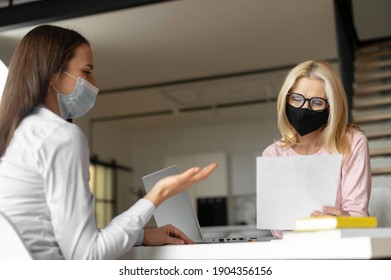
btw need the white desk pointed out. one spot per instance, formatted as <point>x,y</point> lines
<point>344,248</point>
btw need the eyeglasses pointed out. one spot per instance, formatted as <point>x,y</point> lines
<point>297,100</point>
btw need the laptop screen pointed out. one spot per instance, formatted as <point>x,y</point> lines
<point>176,210</point>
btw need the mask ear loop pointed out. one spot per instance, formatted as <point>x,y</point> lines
<point>53,86</point>
<point>55,77</point>
<point>70,75</point>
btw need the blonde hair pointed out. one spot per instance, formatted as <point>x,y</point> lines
<point>336,134</point>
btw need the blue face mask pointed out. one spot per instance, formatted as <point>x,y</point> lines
<point>79,101</point>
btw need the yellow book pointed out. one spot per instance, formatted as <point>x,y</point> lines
<point>328,222</point>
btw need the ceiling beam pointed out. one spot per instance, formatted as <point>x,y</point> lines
<point>39,12</point>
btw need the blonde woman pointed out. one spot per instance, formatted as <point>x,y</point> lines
<point>313,120</point>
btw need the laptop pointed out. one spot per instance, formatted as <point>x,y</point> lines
<point>293,187</point>
<point>179,211</point>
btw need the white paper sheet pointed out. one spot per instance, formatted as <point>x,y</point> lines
<point>293,187</point>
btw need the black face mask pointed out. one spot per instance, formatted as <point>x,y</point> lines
<point>305,120</point>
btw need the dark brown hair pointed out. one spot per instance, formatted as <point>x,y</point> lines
<point>42,53</point>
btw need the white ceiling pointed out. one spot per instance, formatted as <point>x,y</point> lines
<point>192,39</point>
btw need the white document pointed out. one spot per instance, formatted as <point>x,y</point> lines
<point>291,187</point>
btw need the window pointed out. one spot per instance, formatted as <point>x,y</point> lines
<point>105,179</point>
<point>103,186</point>
<point>3,76</point>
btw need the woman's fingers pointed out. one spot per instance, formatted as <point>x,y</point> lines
<point>177,236</point>
<point>334,211</point>
<point>172,185</point>
<point>167,234</point>
<point>329,211</point>
<point>202,174</point>
<point>317,214</point>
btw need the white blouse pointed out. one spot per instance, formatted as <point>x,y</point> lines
<point>44,190</point>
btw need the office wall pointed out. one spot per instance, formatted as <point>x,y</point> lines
<point>372,18</point>
<point>150,148</point>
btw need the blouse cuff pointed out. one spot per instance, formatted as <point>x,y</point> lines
<point>148,208</point>
<point>140,238</point>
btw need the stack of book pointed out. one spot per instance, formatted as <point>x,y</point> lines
<point>336,227</point>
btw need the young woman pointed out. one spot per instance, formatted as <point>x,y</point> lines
<point>44,160</point>
<point>313,120</point>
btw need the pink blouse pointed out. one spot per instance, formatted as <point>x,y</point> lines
<point>355,181</point>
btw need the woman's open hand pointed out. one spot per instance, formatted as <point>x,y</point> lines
<point>172,185</point>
